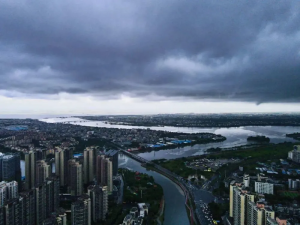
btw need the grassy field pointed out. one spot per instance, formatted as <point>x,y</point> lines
<point>178,166</point>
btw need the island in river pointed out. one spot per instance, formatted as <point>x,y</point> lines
<point>295,136</point>
<point>258,138</point>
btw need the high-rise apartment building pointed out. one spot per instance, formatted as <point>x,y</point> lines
<point>12,190</point>
<point>259,213</point>
<point>81,211</point>
<point>75,178</point>
<point>40,155</point>
<point>18,171</point>
<point>40,196</point>
<point>244,210</point>
<point>59,217</point>
<point>3,193</point>
<point>264,188</point>
<point>1,216</point>
<point>89,159</point>
<point>11,212</point>
<point>104,174</point>
<point>1,159</point>
<point>28,207</point>
<point>255,214</point>
<point>268,213</point>
<point>52,193</point>
<point>99,202</point>
<point>30,170</point>
<point>62,156</point>
<point>239,198</point>
<point>43,171</point>
<point>113,156</point>
<point>8,168</point>
<point>8,191</point>
<point>47,199</point>
<point>31,206</point>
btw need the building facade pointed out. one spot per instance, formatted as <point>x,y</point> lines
<point>62,156</point>
<point>113,156</point>
<point>239,199</point>
<point>8,168</point>
<point>81,211</point>
<point>30,170</point>
<point>75,183</point>
<point>99,202</point>
<point>8,191</point>
<point>264,188</point>
<point>104,175</point>
<point>89,163</point>
<point>43,171</point>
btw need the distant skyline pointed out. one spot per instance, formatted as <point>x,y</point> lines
<point>148,57</point>
<point>20,108</point>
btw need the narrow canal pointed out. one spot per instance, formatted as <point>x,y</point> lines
<point>175,212</point>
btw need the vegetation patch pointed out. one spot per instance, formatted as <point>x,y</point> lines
<point>290,194</point>
<point>141,188</point>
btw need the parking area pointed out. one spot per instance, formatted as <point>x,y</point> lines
<point>210,165</point>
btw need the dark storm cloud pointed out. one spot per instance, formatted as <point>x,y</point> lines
<point>218,50</point>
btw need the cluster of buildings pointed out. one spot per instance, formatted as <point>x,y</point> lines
<point>136,215</point>
<point>45,136</point>
<point>248,205</point>
<point>87,180</point>
<point>276,181</point>
<point>31,206</point>
<point>83,184</point>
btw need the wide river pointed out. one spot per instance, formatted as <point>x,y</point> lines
<point>236,136</point>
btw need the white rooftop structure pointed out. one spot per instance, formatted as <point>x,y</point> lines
<point>143,208</point>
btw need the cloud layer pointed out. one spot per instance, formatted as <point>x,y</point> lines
<point>235,50</point>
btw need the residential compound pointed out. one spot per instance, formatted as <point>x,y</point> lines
<point>32,206</point>
<point>244,209</point>
<point>87,181</point>
<point>253,201</point>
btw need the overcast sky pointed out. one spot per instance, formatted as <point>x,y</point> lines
<point>150,56</point>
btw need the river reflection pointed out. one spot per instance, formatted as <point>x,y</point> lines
<point>236,136</point>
